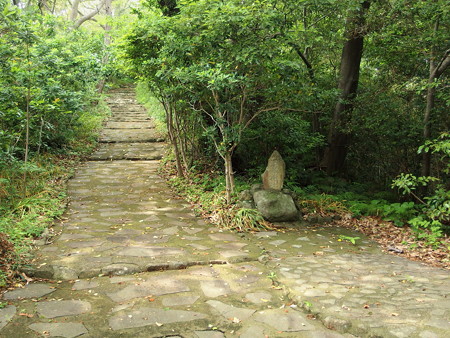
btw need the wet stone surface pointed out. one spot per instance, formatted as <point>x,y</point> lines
<point>61,308</point>
<point>6,314</point>
<point>68,330</point>
<point>29,291</point>
<point>133,261</point>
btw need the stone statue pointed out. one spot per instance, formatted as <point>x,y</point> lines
<point>273,176</point>
<point>275,204</point>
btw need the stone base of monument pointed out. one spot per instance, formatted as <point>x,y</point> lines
<point>274,206</point>
<point>273,202</point>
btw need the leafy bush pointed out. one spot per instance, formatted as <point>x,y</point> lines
<point>48,81</point>
<point>399,213</point>
<point>434,218</point>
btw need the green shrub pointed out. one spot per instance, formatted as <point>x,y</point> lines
<point>434,218</point>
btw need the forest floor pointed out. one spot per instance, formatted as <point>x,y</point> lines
<point>130,259</point>
<point>401,241</point>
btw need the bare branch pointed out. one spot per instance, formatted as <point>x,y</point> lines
<point>442,65</point>
<point>89,16</point>
<point>304,59</point>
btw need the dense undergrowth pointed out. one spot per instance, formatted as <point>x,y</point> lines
<point>206,193</point>
<point>50,110</point>
<point>30,204</point>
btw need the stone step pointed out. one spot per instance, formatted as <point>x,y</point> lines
<point>130,135</point>
<point>125,109</point>
<point>129,125</point>
<point>124,90</point>
<point>129,114</point>
<point>130,119</point>
<point>123,102</point>
<point>144,140</point>
<point>198,302</point>
<point>129,151</point>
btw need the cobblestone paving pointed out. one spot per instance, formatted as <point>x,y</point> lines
<point>132,260</point>
<point>364,291</point>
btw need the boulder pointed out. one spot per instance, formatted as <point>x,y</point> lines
<point>276,206</point>
<point>245,195</point>
<point>255,188</point>
<point>273,176</point>
<point>246,204</point>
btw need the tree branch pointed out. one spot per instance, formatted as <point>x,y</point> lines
<point>304,59</point>
<point>89,16</point>
<point>442,65</point>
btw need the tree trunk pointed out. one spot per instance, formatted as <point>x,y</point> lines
<point>173,138</point>
<point>229,175</point>
<point>27,139</point>
<point>106,42</point>
<point>338,136</point>
<point>181,136</point>
<point>74,11</point>
<point>436,71</point>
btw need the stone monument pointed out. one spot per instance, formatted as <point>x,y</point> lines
<point>273,176</point>
<point>274,203</point>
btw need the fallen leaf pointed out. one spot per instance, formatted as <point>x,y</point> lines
<point>26,315</point>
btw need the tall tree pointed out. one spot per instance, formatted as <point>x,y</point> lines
<point>437,68</point>
<point>339,136</point>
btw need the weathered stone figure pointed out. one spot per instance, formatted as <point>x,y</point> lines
<point>273,176</point>
<point>274,204</point>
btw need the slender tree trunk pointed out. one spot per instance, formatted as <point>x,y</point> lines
<point>41,128</point>
<point>338,136</point>
<point>27,140</point>
<point>179,166</point>
<point>173,138</point>
<point>436,70</point>
<point>107,42</point>
<point>426,157</point>
<point>28,118</point>
<point>229,175</point>
<point>181,136</point>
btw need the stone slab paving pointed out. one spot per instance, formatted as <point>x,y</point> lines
<point>67,330</point>
<point>122,219</point>
<point>132,260</point>
<point>162,304</point>
<point>357,288</point>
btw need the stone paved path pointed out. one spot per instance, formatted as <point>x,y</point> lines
<point>133,261</point>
